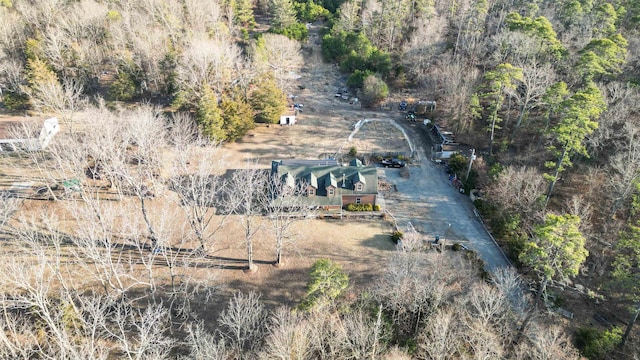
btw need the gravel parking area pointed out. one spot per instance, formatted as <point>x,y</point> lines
<point>433,206</point>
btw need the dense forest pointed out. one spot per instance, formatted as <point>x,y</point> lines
<point>548,92</point>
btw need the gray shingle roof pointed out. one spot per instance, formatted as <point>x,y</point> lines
<point>330,180</point>
<point>325,176</point>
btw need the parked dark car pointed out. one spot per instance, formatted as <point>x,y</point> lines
<point>403,105</point>
<point>394,163</point>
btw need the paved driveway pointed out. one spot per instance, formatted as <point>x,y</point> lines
<point>434,207</point>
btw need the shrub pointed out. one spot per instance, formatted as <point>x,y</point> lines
<point>485,208</point>
<point>374,90</point>
<point>244,34</point>
<point>353,151</point>
<point>456,247</point>
<point>376,207</point>
<point>458,164</point>
<point>113,15</point>
<point>354,62</point>
<point>397,236</point>
<point>596,344</point>
<point>356,79</point>
<point>15,100</point>
<point>295,31</point>
<point>123,87</point>
<point>310,11</point>
<point>359,207</point>
<point>509,229</point>
<point>328,281</point>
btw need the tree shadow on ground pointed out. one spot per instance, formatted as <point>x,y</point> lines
<point>380,242</point>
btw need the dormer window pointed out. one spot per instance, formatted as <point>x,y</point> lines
<point>359,187</point>
<point>311,191</point>
<point>330,191</point>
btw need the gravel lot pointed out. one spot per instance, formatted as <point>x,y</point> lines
<point>434,207</point>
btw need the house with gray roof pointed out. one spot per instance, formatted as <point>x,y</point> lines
<point>327,185</point>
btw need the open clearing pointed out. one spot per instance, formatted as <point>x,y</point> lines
<point>362,247</point>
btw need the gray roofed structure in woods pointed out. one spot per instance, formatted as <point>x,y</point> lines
<point>325,184</point>
<point>327,176</point>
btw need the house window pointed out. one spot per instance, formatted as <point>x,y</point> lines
<point>329,191</point>
<point>359,187</point>
<point>311,192</point>
<point>358,201</point>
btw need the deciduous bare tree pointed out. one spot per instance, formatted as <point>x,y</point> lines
<point>243,323</point>
<point>548,342</point>
<point>536,79</point>
<point>442,336</point>
<point>138,174</point>
<point>285,206</point>
<point>348,18</point>
<point>245,197</point>
<point>288,336</point>
<point>626,167</point>
<point>207,62</point>
<point>363,335</point>
<point>518,190</point>
<point>200,189</point>
<point>141,333</point>
<point>204,345</point>
<point>422,50</point>
<point>64,99</point>
<point>278,54</point>
<point>456,81</point>
<point>203,16</point>
<point>97,249</point>
<point>9,204</point>
<point>42,283</point>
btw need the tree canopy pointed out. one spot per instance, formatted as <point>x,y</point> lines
<point>557,249</point>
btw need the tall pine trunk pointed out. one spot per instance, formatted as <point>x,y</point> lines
<point>556,173</point>
<point>630,326</point>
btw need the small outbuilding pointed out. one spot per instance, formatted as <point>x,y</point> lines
<point>288,118</point>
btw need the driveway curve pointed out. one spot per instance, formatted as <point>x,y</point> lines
<point>433,206</point>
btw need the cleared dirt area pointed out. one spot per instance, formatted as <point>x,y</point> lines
<point>324,125</point>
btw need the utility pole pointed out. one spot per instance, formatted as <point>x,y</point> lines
<point>471,158</point>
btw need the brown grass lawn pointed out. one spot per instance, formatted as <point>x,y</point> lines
<point>361,247</point>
